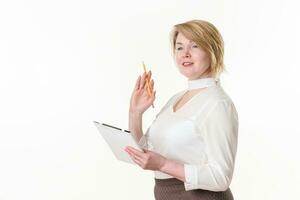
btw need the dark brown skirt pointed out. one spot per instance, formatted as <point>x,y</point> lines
<point>173,189</point>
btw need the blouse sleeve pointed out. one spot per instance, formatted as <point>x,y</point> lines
<point>144,142</point>
<point>220,133</point>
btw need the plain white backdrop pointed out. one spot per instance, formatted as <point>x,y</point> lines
<point>66,63</point>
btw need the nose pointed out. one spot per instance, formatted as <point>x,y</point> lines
<point>186,53</point>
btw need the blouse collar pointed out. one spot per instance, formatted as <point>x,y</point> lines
<point>202,83</point>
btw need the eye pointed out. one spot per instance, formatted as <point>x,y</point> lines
<point>195,46</point>
<point>179,48</point>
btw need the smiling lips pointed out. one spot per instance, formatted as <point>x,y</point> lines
<point>187,64</point>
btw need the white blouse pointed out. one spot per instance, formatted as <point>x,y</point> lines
<point>202,135</point>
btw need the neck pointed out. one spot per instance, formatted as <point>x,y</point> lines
<point>202,76</point>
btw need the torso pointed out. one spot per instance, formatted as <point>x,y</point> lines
<point>185,98</point>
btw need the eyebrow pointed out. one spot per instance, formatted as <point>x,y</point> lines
<point>182,44</point>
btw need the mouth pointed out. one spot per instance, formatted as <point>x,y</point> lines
<point>187,64</point>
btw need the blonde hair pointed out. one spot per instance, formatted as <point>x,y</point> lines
<point>205,35</point>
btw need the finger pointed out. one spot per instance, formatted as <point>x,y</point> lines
<point>137,161</point>
<point>149,74</point>
<point>148,84</point>
<point>133,158</point>
<point>152,85</point>
<point>137,84</point>
<point>135,152</point>
<point>153,94</point>
<point>146,79</point>
<point>142,82</point>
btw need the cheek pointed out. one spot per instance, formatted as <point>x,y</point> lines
<point>177,59</point>
<point>202,58</point>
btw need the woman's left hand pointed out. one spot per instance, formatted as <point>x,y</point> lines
<point>147,160</point>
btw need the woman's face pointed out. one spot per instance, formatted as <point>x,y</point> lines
<point>192,61</point>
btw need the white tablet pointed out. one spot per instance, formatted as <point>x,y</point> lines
<point>118,139</point>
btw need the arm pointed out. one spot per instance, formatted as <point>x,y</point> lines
<point>139,103</point>
<point>219,131</point>
<point>174,169</point>
<point>221,138</point>
<point>151,160</point>
<point>135,124</point>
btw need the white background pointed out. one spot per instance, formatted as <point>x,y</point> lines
<point>66,63</point>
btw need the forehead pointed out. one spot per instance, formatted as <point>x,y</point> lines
<point>181,39</point>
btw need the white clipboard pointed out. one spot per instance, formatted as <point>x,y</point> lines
<point>118,139</point>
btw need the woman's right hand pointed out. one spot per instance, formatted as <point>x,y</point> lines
<point>140,100</point>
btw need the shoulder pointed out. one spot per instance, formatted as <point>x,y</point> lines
<point>219,104</point>
<point>219,99</point>
<point>218,94</point>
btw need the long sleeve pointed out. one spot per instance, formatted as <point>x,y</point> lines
<point>220,134</point>
<point>144,142</point>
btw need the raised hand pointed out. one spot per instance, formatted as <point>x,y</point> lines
<point>140,100</point>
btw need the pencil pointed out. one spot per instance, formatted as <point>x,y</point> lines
<point>147,83</point>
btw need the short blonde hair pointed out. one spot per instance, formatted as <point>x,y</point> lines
<point>205,35</point>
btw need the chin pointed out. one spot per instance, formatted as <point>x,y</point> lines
<point>187,75</point>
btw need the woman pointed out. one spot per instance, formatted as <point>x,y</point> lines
<point>192,143</point>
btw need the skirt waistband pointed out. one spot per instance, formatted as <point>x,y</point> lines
<point>168,181</point>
